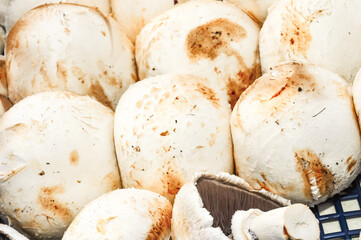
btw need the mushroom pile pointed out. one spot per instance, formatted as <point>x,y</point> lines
<point>189,119</point>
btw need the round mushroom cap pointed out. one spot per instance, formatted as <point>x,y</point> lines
<point>315,32</point>
<point>289,133</point>
<point>169,127</point>
<point>69,47</point>
<point>133,15</point>
<point>256,9</point>
<point>15,9</point>
<point>123,214</point>
<point>57,154</point>
<point>210,39</point>
<point>203,208</point>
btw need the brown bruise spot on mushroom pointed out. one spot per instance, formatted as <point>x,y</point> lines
<point>295,30</point>
<point>209,94</point>
<point>48,201</point>
<point>96,90</point>
<point>161,215</point>
<point>171,180</point>
<point>213,39</point>
<point>310,167</point>
<point>351,163</point>
<point>101,225</point>
<point>3,81</point>
<point>111,180</point>
<point>61,72</point>
<point>74,158</point>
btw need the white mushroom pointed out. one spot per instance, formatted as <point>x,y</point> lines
<point>123,214</point>
<point>211,39</point>
<point>295,133</point>
<point>292,222</point>
<point>324,33</point>
<point>10,233</point>
<point>169,127</point>
<point>69,47</point>
<point>256,9</point>
<point>133,15</point>
<point>15,9</point>
<point>57,154</point>
<point>203,209</point>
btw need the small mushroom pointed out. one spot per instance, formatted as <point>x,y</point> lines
<point>203,208</point>
<point>9,233</point>
<point>315,32</point>
<point>210,39</point>
<point>295,133</point>
<point>57,154</point>
<point>292,222</point>
<point>69,47</point>
<point>15,9</point>
<point>169,127</point>
<point>133,15</point>
<point>123,214</point>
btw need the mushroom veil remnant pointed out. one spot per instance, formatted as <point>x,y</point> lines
<point>169,127</point>
<point>289,132</point>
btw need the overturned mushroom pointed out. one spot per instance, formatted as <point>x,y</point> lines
<point>204,208</point>
<point>133,15</point>
<point>210,39</point>
<point>169,127</point>
<point>315,32</point>
<point>289,131</point>
<point>69,47</point>
<point>292,222</point>
<point>9,233</point>
<point>123,214</point>
<point>14,9</point>
<point>57,154</point>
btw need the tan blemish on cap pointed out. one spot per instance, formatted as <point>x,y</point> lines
<point>96,90</point>
<point>111,180</point>
<point>48,201</point>
<point>161,215</point>
<point>102,225</point>
<point>209,94</point>
<point>74,158</point>
<point>310,167</point>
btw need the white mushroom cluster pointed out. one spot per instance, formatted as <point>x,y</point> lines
<point>151,119</point>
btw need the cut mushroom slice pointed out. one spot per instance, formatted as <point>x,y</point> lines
<point>57,154</point>
<point>289,131</point>
<point>292,222</point>
<point>69,47</point>
<point>123,214</point>
<point>15,9</point>
<point>203,209</point>
<point>210,39</point>
<point>169,127</point>
<point>9,233</point>
<point>315,32</point>
<point>133,15</point>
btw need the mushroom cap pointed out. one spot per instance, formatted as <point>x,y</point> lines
<point>123,214</point>
<point>57,154</point>
<point>133,15</point>
<point>169,127</point>
<point>203,208</point>
<point>315,32</point>
<point>15,9</point>
<point>210,39</point>
<point>256,9</point>
<point>289,133</point>
<point>69,47</point>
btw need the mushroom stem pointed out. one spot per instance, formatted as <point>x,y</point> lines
<point>293,222</point>
<point>11,233</point>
